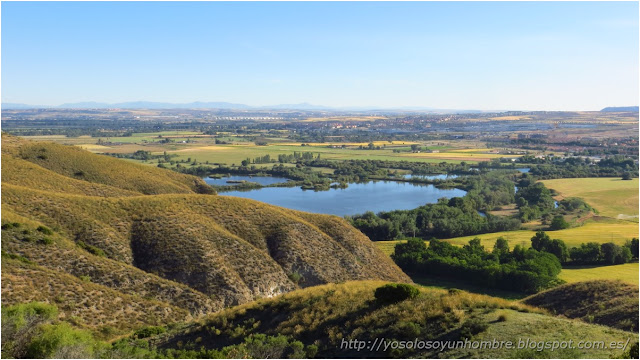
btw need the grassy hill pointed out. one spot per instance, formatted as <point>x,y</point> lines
<point>611,303</point>
<point>71,167</point>
<point>326,316</point>
<point>146,232</point>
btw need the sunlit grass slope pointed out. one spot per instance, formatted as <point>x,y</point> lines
<point>612,197</point>
<point>625,272</point>
<point>325,315</point>
<point>68,162</point>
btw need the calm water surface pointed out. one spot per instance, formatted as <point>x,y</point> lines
<point>356,199</point>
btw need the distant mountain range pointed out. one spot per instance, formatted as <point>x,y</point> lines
<point>234,106</point>
<point>620,109</point>
<point>227,105</point>
<point>162,105</point>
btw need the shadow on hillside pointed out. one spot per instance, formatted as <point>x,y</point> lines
<point>443,283</point>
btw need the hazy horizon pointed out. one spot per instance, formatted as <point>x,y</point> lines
<point>573,56</point>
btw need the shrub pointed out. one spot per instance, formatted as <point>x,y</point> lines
<point>19,325</point>
<point>7,226</point>
<point>45,230</point>
<point>295,277</point>
<point>148,332</point>
<point>502,318</point>
<point>394,293</point>
<point>92,249</point>
<point>472,327</point>
<point>61,341</point>
<point>408,330</point>
<point>46,241</point>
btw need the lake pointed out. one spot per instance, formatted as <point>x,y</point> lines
<point>373,196</point>
<point>262,180</point>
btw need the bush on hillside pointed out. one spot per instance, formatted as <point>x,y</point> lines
<point>20,323</point>
<point>472,327</point>
<point>395,293</point>
<point>61,341</point>
<point>148,332</point>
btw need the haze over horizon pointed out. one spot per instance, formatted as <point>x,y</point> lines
<point>457,55</point>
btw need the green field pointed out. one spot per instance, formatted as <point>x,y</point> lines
<point>194,145</point>
<point>234,154</point>
<point>625,272</point>
<point>612,197</point>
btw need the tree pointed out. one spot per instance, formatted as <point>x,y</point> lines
<point>540,241</point>
<point>586,253</point>
<point>501,246</point>
<point>559,223</point>
<point>474,246</point>
<point>558,248</point>
<point>627,176</point>
<point>611,253</point>
<point>633,247</point>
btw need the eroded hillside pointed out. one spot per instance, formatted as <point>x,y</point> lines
<point>148,232</point>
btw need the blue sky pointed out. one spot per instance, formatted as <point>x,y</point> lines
<point>460,55</point>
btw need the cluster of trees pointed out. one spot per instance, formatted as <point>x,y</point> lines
<point>447,218</point>
<point>296,156</point>
<point>578,167</point>
<point>587,253</point>
<point>524,270</point>
<point>143,155</point>
<point>607,253</point>
<point>282,158</point>
<point>533,198</point>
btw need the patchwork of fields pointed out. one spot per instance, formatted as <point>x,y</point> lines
<point>194,145</point>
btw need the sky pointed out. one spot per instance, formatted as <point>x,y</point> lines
<point>447,55</point>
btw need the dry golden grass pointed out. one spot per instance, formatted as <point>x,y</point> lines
<point>210,251</point>
<point>327,314</point>
<point>82,302</point>
<point>77,164</point>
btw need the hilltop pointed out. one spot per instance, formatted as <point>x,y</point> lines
<point>68,169</point>
<point>76,222</point>
<point>620,109</point>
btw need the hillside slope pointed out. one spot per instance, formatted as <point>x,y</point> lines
<point>328,316</point>
<point>81,168</point>
<point>146,232</point>
<point>606,302</point>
